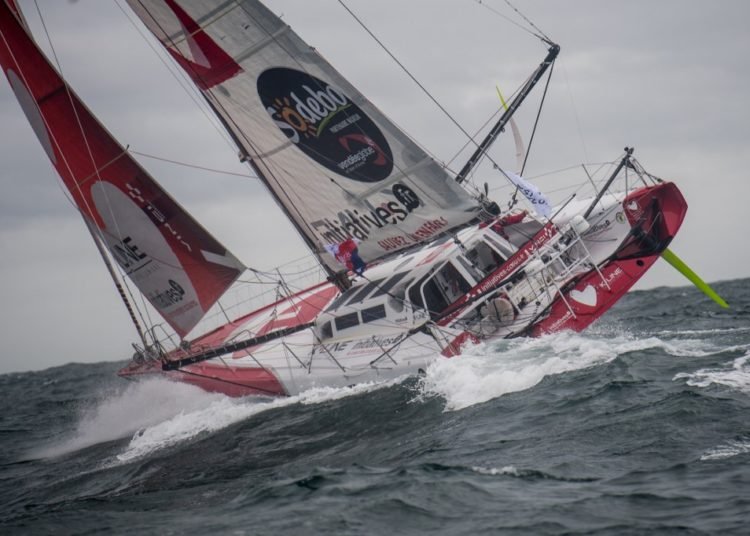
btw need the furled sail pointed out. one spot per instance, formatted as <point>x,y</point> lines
<point>178,266</point>
<point>335,164</point>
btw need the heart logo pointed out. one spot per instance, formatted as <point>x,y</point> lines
<point>586,296</point>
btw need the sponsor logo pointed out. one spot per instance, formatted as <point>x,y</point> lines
<point>325,124</point>
<point>376,343</point>
<point>611,277</point>
<point>155,215</point>
<point>360,224</point>
<point>557,324</point>
<point>426,230</point>
<point>599,227</point>
<point>127,254</point>
<point>168,297</point>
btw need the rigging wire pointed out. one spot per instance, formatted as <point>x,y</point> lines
<point>575,112</point>
<point>406,70</point>
<point>414,79</point>
<point>524,17</point>
<point>96,232</point>
<point>514,197</point>
<point>194,166</point>
<point>181,78</point>
<point>539,35</point>
<point>538,115</point>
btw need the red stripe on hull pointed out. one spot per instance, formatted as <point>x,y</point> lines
<point>230,381</point>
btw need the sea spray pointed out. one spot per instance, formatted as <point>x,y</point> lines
<point>119,414</point>
<point>223,412</point>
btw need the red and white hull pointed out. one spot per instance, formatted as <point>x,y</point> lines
<point>572,278</point>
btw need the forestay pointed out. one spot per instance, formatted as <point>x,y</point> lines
<point>178,266</point>
<point>335,164</point>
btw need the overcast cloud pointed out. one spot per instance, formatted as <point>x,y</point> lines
<point>668,77</point>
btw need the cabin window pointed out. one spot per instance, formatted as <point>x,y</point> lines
<point>435,301</point>
<point>360,294</point>
<point>471,269</point>
<point>341,298</point>
<point>373,313</point>
<point>484,257</point>
<point>347,321</point>
<point>397,296</point>
<point>325,331</point>
<point>497,245</point>
<point>440,290</point>
<point>389,284</point>
<point>415,296</point>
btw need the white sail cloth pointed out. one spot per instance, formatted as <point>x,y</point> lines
<point>335,164</point>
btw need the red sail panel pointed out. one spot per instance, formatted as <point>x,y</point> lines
<point>178,266</point>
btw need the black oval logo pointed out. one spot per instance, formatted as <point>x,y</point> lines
<point>325,124</point>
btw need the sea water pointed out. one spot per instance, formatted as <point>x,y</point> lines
<point>641,424</point>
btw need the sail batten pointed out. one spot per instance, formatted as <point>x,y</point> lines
<point>175,263</point>
<point>337,166</point>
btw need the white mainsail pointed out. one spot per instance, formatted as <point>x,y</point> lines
<point>335,164</point>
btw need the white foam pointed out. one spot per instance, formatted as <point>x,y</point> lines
<point>703,332</point>
<point>736,375</point>
<point>487,371</point>
<point>728,450</point>
<point>223,412</point>
<point>120,414</point>
<point>508,470</point>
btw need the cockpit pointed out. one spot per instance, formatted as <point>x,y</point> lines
<point>419,290</point>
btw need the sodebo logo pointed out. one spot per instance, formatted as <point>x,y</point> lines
<point>325,124</point>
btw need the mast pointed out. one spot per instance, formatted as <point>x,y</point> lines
<point>483,147</point>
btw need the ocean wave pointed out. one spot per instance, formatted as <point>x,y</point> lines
<point>223,412</point>
<point>487,371</point>
<point>526,474</point>
<point>736,375</point>
<point>703,332</point>
<point>727,450</point>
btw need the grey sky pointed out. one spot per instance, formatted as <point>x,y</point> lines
<point>668,77</point>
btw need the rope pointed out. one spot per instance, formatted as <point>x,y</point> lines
<point>514,8</point>
<point>538,115</point>
<point>194,166</point>
<point>96,232</point>
<point>403,67</point>
<point>543,37</point>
